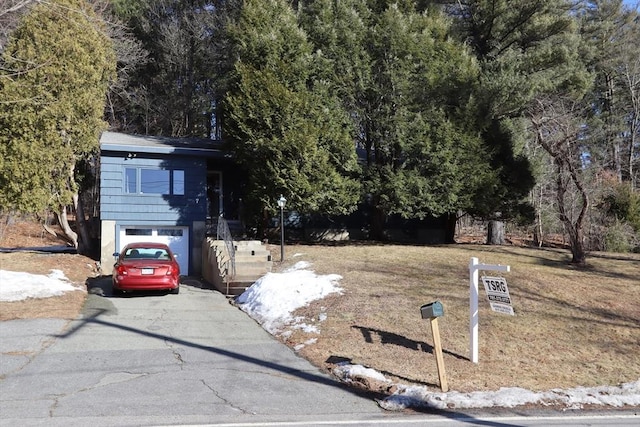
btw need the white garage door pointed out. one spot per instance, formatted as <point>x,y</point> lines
<point>177,238</point>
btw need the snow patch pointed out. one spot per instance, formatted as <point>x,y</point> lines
<point>18,286</point>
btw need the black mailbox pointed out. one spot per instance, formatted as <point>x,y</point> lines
<point>431,310</point>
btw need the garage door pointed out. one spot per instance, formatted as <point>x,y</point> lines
<point>177,238</point>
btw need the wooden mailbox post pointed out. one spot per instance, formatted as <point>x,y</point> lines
<point>432,311</point>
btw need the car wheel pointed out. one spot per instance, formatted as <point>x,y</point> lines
<point>175,291</point>
<point>117,292</point>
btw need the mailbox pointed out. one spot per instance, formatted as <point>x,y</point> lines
<point>431,310</point>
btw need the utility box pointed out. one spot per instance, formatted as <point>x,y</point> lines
<point>432,310</point>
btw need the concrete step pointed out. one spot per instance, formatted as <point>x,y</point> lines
<point>245,278</point>
<point>239,257</point>
<point>236,288</point>
<point>247,243</point>
<point>251,272</point>
<point>253,266</point>
<point>249,249</point>
<point>246,255</point>
<point>254,262</point>
<point>239,244</point>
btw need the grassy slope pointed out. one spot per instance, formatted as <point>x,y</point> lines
<point>572,327</point>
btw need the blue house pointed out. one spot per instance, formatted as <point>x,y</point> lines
<point>166,190</point>
<point>173,190</point>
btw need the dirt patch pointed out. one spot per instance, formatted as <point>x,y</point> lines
<point>77,268</point>
<point>67,306</point>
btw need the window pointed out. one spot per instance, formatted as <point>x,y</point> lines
<point>138,232</point>
<point>178,183</point>
<point>173,232</point>
<point>146,253</point>
<point>154,181</point>
<point>131,180</point>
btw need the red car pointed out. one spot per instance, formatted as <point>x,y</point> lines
<point>145,267</point>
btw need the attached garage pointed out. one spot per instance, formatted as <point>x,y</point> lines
<point>177,238</point>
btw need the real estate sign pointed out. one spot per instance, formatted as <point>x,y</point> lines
<point>498,294</point>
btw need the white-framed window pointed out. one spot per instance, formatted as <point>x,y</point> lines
<point>154,181</point>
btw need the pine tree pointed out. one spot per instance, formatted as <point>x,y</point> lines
<point>526,49</point>
<point>53,102</point>
<point>283,124</point>
<point>408,89</point>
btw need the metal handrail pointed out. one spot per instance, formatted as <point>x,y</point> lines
<point>223,233</point>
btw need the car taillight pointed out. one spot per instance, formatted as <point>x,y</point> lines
<point>122,271</point>
<point>171,270</point>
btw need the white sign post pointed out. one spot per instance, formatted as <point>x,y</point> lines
<point>474,266</point>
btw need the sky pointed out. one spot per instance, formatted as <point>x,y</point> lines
<point>274,297</point>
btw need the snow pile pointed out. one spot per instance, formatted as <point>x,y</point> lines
<point>17,286</point>
<point>273,297</point>
<point>509,397</point>
<point>347,372</point>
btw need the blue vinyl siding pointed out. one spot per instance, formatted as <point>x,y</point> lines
<point>116,204</point>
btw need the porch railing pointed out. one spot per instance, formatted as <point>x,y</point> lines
<point>223,233</point>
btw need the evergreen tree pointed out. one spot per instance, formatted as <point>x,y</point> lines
<point>611,33</point>
<point>408,89</point>
<point>282,123</point>
<point>53,101</point>
<point>525,49</point>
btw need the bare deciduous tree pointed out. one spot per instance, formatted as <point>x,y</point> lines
<point>557,123</point>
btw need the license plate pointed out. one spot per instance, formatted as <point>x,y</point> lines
<point>147,271</point>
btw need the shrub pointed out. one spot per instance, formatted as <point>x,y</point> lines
<point>620,237</point>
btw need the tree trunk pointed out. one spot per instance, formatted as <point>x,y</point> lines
<point>84,242</point>
<point>574,228</point>
<point>450,228</point>
<point>578,254</point>
<point>635,121</point>
<point>495,233</point>
<point>63,220</point>
<point>610,130</point>
<point>538,236</point>
<point>377,224</point>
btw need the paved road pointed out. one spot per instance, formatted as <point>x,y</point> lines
<point>158,359</point>
<point>182,359</point>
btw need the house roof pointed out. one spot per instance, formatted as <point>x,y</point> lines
<point>126,143</point>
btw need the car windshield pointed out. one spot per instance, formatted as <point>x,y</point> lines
<point>146,253</point>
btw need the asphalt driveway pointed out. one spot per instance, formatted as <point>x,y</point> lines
<point>161,359</point>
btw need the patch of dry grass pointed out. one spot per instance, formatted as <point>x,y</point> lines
<point>573,327</point>
<point>76,268</point>
<point>29,234</point>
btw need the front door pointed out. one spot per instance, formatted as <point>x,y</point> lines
<point>214,194</point>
